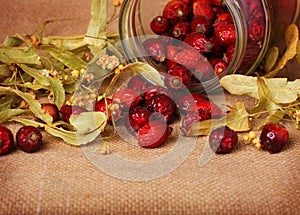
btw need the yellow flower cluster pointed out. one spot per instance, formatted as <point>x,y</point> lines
<point>251,138</point>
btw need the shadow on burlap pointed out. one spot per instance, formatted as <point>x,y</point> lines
<point>60,179</point>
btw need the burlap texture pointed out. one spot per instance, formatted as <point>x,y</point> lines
<point>60,179</point>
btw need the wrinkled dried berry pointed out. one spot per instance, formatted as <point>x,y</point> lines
<point>188,57</point>
<point>199,42</point>
<point>153,134</point>
<point>188,100</point>
<point>181,29</point>
<point>274,137</point>
<point>138,117</point>
<point>223,140</point>
<point>155,49</point>
<point>127,98</point>
<point>137,83</point>
<point>203,8</point>
<point>202,25</point>
<point>29,139</point>
<point>6,140</point>
<point>68,110</point>
<point>193,117</point>
<point>163,104</point>
<point>178,77</point>
<point>155,90</point>
<point>219,65</point>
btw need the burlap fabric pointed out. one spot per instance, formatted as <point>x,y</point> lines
<point>60,179</point>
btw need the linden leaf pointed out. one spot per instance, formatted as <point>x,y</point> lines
<point>95,35</point>
<point>13,41</point>
<point>283,91</point>
<point>271,59</point>
<point>66,57</point>
<point>291,39</point>
<point>65,42</point>
<point>26,55</point>
<point>6,115</point>
<point>87,122</point>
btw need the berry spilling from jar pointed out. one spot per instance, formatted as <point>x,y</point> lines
<point>207,31</point>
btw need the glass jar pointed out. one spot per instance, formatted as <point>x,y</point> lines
<point>259,24</point>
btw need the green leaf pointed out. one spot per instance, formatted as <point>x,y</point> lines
<point>291,38</point>
<point>87,122</point>
<point>274,117</point>
<point>34,105</point>
<point>26,55</point>
<point>39,75</point>
<point>95,35</point>
<point>13,41</point>
<point>283,91</point>
<point>8,114</point>
<point>5,72</point>
<point>58,92</point>
<point>66,57</point>
<point>65,42</point>
<point>237,119</point>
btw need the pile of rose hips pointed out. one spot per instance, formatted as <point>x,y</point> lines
<point>207,31</point>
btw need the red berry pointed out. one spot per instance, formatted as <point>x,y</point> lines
<point>163,104</point>
<point>217,50</point>
<point>175,11</point>
<point>159,25</point>
<point>202,25</point>
<point>68,110</point>
<point>29,139</point>
<point>273,138</point>
<point>155,49</point>
<point>203,8</point>
<point>225,33</point>
<point>256,30</point>
<point>228,55</point>
<point>219,3</point>
<point>178,76</point>
<point>137,83</point>
<point>127,98</point>
<point>138,117</point>
<point>181,29</point>
<point>6,140</point>
<point>51,109</point>
<point>101,106</point>
<point>188,100</point>
<point>199,41</point>
<point>224,18</point>
<point>155,90</point>
<point>209,106</point>
<point>153,134</point>
<point>187,2</point>
<point>193,117</point>
<point>188,57</point>
<point>203,70</point>
<point>219,65</point>
<point>223,140</point>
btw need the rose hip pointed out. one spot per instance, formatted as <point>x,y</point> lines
<point>126,98</point>
<point>203,8</point>
<point>6,140</point>
<point>175,11</point>
<point>155,48</point>
<point>199,42</point>
<point>68,110</point>
<point>181,29</point>
<point>29,139</point>
<point>202,25</point>
<point>159,25</point>
<point>223,140</point>
<point>51,109</point>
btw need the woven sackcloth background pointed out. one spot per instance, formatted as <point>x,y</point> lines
<point>60,179</point>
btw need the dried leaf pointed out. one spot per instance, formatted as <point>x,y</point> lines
<point>8,114</point>
<point>26,55</point>
<point>291,39</point>
<point>271,59</point>
<point>87,122</point>
<point>283,91</point>
<point>274,117</point>
<point>66,57</point>
<point>65,42</point>
<point>5,72</point>
<point>298,52</point>
<point>13,41</point>
<point>96,35</point>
